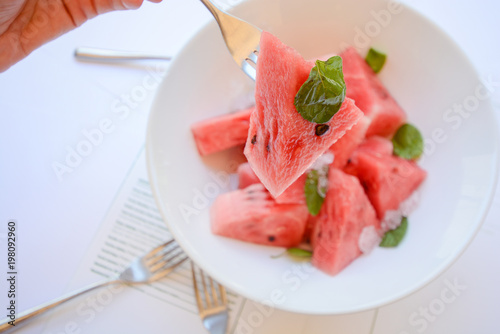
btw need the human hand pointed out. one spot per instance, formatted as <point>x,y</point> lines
<point>27,24</point>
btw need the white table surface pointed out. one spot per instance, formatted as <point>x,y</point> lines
<point>49,100</point>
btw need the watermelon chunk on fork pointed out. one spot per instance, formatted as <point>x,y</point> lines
<point>281,145</point>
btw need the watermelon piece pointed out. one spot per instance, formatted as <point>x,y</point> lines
<point>292,195</point>
<point>370,95</point>
<point>346,214</point>
<point>388,180</point>
<point>295,193</point>
<point>377,145</point>
<point>374,145</point>
<point>246,176</point>
<point>223,132</point>
<point>345,146</point>
<point>310,225</point>
<point>281,145</point>
<point>252,215</point>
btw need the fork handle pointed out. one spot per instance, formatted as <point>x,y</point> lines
<point>212,8</point>
<point>28,315</point>
<point>85,53</point>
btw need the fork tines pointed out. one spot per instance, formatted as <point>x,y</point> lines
<point>252,58</point>
<point>211,297</point>
<point>165,258</point>
<point>249,66</point>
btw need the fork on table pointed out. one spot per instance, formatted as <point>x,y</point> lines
<point>212,302</point>
<point>148,268</point>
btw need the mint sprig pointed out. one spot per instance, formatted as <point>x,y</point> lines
<point>323,93</point>
<point>299,252</point>
<point>375,59</point>
<point>295,253</point>
<point>408,142</point>
<point>392,238</point>
<point>315,190</point>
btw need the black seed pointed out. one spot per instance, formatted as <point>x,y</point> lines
<point>321,129</point>
<point>382,93</point>
<point>349,161</point>
<point>268,148</point>
<point>271,238</point>
<point>254,139</point>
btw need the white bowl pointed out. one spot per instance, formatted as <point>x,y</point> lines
<point>426,73</point>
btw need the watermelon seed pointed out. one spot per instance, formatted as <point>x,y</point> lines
<point>321,129</point>
<point>382,93</point>
<point>271,238</point>
<point>254,139</point>
<point>268,148</point>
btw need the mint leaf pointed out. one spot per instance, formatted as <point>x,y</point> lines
<point>375,59</point>
<point>392,238</point>
<point>294,252</point>
<point>315,190</point>
<point>299,252</point>
<point>321,96</point>
<point>408,142</point>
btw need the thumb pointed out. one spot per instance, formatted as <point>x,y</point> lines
<point>130,4</point>
<point>134,4</point>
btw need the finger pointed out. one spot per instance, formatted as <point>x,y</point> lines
<point>38,22</point>
<point>8,12</point>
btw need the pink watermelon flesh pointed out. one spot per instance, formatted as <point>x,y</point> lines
<point>223,132</point>
<point>246,176</point>
<point>370,95</point>
<point>343,148</point>
<point>377,145</point>
<point>295,192</point>
<point>311,223</point>
<point>292,195</point>
<point>251,215</point>
<point>281,145</point>
<point>388,180</point>
<point>346,211</point>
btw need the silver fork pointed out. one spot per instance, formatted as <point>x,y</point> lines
<point>242,38</point>
<point>152,266</point>
<point>212,302</point>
